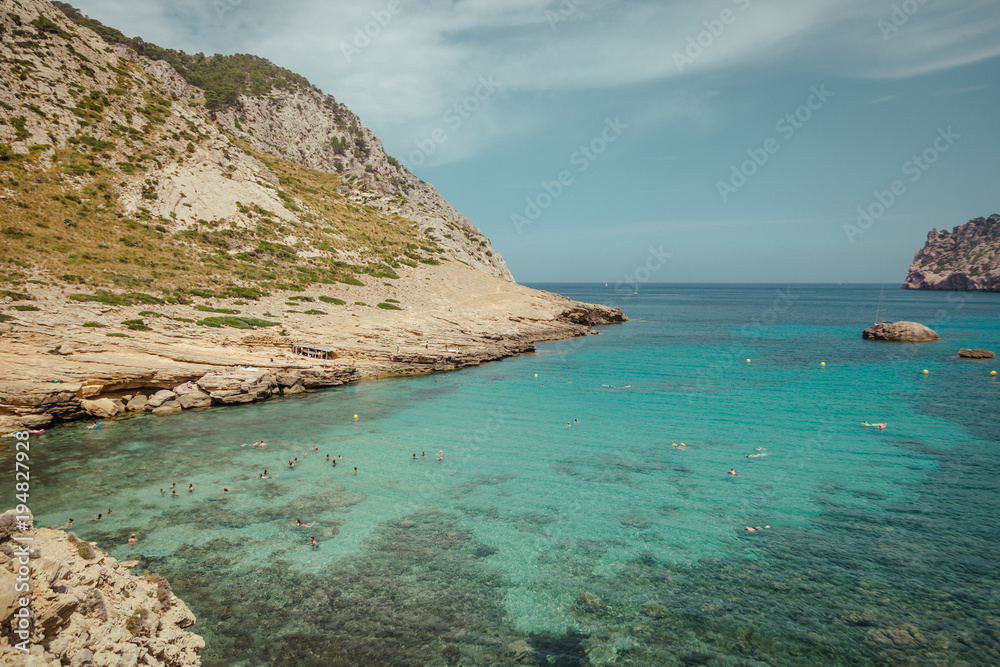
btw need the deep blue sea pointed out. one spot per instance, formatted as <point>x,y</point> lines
<point>562,527</point>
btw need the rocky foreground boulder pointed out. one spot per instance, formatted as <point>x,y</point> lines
<point>88,609</point>
<point>904,332</point>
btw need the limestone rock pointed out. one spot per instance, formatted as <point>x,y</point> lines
<point>159,398</point>
<point>977,353</point>
<point>169,408</point>
<point>590,601</point>
<point>965,258</point>
<point>136,404</point>
<point>655,610</point>
<point>193,398</point>
<point>897,636</point>
<point>86,609</point>
<point>903,331</point>
<point>104,408</point>
<point>519,650</point>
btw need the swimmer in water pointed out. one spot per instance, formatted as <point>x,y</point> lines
<point>732,471</point>
<point>327,457</point>
<point>299,524</point>
<point>355,470</point>
<point>190,488</point>
<point>173,492</point>
<point>414,457</point>
<point>441,455</point>
<point>132,539</point>
<point>314,543</point>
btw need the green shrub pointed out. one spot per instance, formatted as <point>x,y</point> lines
<point>236,322</point>
<point>351,280</point>
<point>360,303</point>
<point>334,300</point>
<point>388,306</point>
<point>16,296</point>
<point>95,325</point>
<point>117,335</point>
<point>314,311</point>
<point>224,311</point>
<point>26,308</point>
<point>136,325</point>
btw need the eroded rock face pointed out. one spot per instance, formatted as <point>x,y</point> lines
<point>91,610</point>
<point>977,353</point>
<point>966,258</point>
<point>905,332</point>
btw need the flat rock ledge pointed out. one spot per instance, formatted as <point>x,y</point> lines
<point>26,404</point>
<point>977,353</point>
<point>89,609</point>
<point>904,332</point>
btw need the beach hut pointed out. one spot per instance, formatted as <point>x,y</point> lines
<point>314,351</point>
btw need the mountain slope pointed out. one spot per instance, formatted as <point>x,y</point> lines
<point>279,112</point>
<point>966,258</point>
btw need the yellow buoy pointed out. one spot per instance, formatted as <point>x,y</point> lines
<point>355,416</point>
<point>925,371</point>
<point>748,361</point>
<point>822,364</point>
<point>536,374</point>
<point>993,374</point>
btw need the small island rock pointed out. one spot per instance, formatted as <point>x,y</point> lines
<point>907,332</point>
<point>977,353</point>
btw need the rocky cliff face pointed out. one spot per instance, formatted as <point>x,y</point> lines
<point>966,258</point>
<point>88,609</point>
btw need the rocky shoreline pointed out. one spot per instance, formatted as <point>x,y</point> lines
<point>88,609</point>
<point>55,371</point>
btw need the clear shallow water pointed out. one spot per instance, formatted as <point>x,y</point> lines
<point>881,547</point>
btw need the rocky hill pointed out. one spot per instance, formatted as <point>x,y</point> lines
<point>966,258</point>
<point>115,165</point>
<point>161,212</point>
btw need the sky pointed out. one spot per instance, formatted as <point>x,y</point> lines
<point>654,141</point>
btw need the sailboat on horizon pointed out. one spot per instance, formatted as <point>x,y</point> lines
<point>879,311</point>
<point>636,290</point>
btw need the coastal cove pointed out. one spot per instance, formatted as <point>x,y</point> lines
<point>561,525</point>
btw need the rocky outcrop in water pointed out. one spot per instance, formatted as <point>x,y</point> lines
<point>966,258</point>
<point>977,353</point>
<point>905,332</point>
<point>88,609</point>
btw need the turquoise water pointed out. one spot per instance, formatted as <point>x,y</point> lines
<point>874,534</point>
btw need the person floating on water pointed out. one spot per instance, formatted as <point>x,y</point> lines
<point>882,425</point>
<point>441,455</point>
<point>299,524</point>
<point>132,539</point>
<point>732,471</point>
